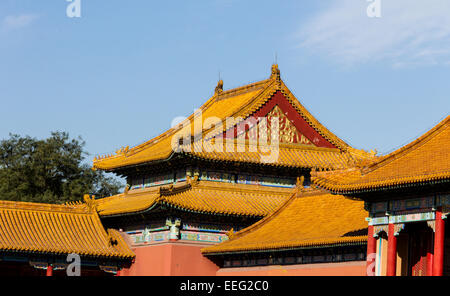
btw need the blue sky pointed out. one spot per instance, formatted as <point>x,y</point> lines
<point>118,75</point>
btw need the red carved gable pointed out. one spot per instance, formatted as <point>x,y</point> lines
<point>293,127</point>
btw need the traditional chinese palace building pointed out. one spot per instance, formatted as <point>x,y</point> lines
<point>407,195</point>
<point>206,198</point>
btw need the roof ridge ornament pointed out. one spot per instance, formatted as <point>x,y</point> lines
<point>90,202</point>
<point>300,184</point>
<point>275,73</point>
<point>219,87</point>
<point>231,233</point>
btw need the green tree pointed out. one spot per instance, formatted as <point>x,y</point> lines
<point>50,170</point>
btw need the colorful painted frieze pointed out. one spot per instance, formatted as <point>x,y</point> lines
<point>412,217</point>
<point>412,204</point>
<point>203,237</point>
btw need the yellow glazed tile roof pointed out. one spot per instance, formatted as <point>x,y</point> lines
<point>424,160</point>
<point>58,229</point>
<point>238,103</point>
<point>288,155</point>
<point>200,197</point>
<point>309,219</point>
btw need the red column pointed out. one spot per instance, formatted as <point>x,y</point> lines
<point>371,250</point>
<point>118,272</point>
<point>49,270</point>
<point>392,252</point>
<point>439,235</point>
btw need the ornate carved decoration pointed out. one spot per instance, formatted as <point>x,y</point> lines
<point>299,186</point>
<point>90,202</point>
<point>219,87</point>
<point>432,225</point>
<point>398,228</point>
<point>380,228</point>
<point>193,181</point>
<point>445,211</point>
<point>174,228</point>
<point>230,233</point>
<point>127,188</point>
<point>275,72</point>
<point>288,133</point>
<point>123,151</point>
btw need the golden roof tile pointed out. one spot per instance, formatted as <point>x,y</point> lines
<point>303,221</point>
<point>201,197</point>
<point>58,229</point>
<point>241,103</point>
<point>424,160</point>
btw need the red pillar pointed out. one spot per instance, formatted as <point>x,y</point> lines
<point>371,251</point>
<point>118,272</point>
<point>439,235</point>
<point>49,270</point>
<point>392,252</point>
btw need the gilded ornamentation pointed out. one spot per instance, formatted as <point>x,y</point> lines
<point>275,72</point>
<point>380,228</point>
<point>90,202</point>
<point>219,87</point>
<point>288,133</point>
<point>230,233</point>
<point>123,150</point>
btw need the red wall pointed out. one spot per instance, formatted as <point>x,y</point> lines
<point>357,268</point>
<point>181,259</point>
<point>166,259</point>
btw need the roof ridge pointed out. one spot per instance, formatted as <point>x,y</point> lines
<point>274,232</point>
<point>277,211</point>
<point>26,206</point>
<point>417,143</point>
<point>168,190</point>
<point>266,93</point>
<point>241,89</point>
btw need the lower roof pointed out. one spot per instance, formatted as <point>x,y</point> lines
<point>58,230</point>
<point>307,220</point>
<point>215,198</point>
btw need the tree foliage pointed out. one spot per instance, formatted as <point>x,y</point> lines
<point>51,170</point>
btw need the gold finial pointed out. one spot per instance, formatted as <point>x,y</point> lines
<point>230,233</point>
<point>219,87</point>
<point>127,188</point>
<point>90,202</point>
<point>300,184</point>
<point>301,181</point>
<point>192,180</point>
<point>275,74</point>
